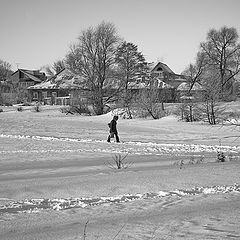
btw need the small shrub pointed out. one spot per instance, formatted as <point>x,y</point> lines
<point>231,157</point>
<point>80,109</point>
<point>119,162</point>
<point>19,109</point>
<point>200,160</point>
<point>181,164</point>
<point>26,104</point>
<point>221,157</point>
<point>193,160</point>
<point>196,160</point>
<point>37,108</point>
<point>8,104</point>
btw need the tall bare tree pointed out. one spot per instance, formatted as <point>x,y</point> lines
<point>223,53</point>
<point>210,105</point>
<point>5,71</point>
<point>194,72</point>
<point>93,57</point>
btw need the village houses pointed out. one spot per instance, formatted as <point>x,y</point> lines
<point>66,88</point>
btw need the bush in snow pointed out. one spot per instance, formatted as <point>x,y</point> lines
<point>119,162</point>
<point>19,109</point>
<point>36,107</point>
<point>221,157</point>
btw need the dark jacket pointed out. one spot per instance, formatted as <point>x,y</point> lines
<point>113,126</point>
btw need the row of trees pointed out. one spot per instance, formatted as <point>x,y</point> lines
<point>107,62</point>
<point>217,62</point>
<point>216,67</point>
<point>104,60</point>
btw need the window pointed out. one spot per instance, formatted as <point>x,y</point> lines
<point>44,95</point>
<point>54,94</point>
<point>35,95</point>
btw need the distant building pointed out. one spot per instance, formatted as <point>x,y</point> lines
<point>14,87</point>
<point>163,79</point>
<point>24,78</point>
<point>67,88</point>
<point>64,88</point>
<point>164,76</point>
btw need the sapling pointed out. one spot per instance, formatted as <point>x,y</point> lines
<point>119,162</point>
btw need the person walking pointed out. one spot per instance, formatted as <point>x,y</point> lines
<point>113,129</point>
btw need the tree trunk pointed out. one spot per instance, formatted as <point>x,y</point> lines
<point>213,114</point>
<point>208,112</point>
<point>129,112</point>
<point>162,106</point>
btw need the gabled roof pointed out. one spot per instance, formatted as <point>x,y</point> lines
<point>62,80</point>
<point>165,67</point>
<point>29,74</point>
<point>35,79</point>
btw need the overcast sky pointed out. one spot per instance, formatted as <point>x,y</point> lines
<point>35,33</point>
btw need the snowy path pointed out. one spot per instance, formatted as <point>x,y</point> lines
<point>89,145</point>
<point>36,205</point>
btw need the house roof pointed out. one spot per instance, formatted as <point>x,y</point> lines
<point>29,74</point>
<point>134,85</point>
<point>35,79</point>
<point>165,67</point>
<point>185,86</point>
<point>62,80</point>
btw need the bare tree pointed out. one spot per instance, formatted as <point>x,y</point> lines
<point>5,71</point>
<point>210,106</point>
<point>223,53</point>
<point>55,68</point>
<point>93,57</point>
<point>148,99</point>
<point>195,71</point>
<point>133,68</point>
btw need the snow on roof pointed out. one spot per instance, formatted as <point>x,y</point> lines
<point>134,85</point>
<point>35,79</point>
<point>165,67</point>
<point>185,86</point>
<point>62,80</point>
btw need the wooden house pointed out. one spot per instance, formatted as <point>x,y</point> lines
<point>163,79</point>
<point>194,92</point>
<point>64,88</point>
<point>23,78</point>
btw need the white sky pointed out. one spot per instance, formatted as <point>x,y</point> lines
<point>35,33</point>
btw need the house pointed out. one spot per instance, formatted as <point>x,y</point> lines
<point>14,88</point>
<point>67,88</point>
<point>165,76</point>
<point>23,78</point>
<point>160,77</point>
<point>188,91</point>
<point>64,88</point>
<point>165,80</point>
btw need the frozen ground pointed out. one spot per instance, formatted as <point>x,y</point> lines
<point>55,177</point>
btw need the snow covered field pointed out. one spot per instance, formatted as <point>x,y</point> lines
<point>55,178</point>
